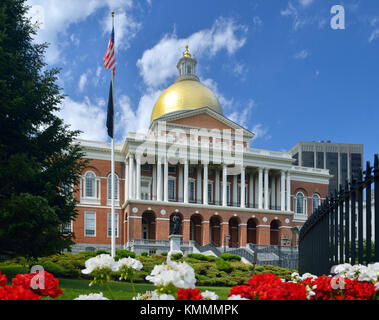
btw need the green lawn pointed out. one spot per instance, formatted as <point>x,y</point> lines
<point>72,288</point>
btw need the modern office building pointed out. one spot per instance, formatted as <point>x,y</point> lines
<point>344,161</point>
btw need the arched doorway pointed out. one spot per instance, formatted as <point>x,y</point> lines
<point>148,225</point>
<point>233,233</point>
<point>172,223</point>
<point>215,231</point>
<point>195,228</point>
<point>252,231</point>
<point>274,233</point>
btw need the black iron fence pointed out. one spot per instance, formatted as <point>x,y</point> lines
<point>345,228</point>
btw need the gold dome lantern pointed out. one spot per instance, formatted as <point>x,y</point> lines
<point>187,93</point>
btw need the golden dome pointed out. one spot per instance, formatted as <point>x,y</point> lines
<point>187,93</point>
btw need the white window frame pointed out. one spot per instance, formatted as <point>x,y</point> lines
<point>85,229</point>
<point>148,180</point>
<point>191,180</point>
<point>171,178</point>
<point>109,227</point>
<point>95,200</point>
<point>304,203</point>
<point>210,196</point>
<point>228,195</point>
<point>319,201</point>
<point>117,195</point>
<point>70,229</point>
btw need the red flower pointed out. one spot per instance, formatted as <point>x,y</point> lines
<point>244,291</point>
<point>3,280</point>
<point>189,294</point>
<point>47,287</point>
<point>17,293</point>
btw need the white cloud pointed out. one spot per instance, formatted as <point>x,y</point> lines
<point>303,54</point>
<point>242,117</point>
<point>291,11</point>
<point>82,82</point>
<point>58,15</point>
<point>87,117</point>
<point>261,132</point>
<point>305,3</point>
<point>159,63</point>
<point>374,35</point>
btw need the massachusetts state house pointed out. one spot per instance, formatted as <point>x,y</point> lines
<point>195,163</point>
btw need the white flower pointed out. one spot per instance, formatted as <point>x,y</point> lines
<point>130,263</point>
<point>102,261</point>
<point>180,274</point>
<point>92,296</point>
<point>236,297</point>
<point>153,295</point>
<point>209,295</point>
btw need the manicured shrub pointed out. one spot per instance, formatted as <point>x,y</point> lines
<point>144,254</point>
<point>224,265</point>
<point>230,257</point>
<point>176,256</point>
<point>98,252</point>
<point>164,254</point>
<point>198,256</point>
<point>122,253</point>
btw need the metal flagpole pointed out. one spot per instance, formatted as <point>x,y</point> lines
<point>113,244</point>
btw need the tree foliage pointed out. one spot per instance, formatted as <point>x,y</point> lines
<point>40,161</point>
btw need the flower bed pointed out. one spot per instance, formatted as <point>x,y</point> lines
<point>176,280</point>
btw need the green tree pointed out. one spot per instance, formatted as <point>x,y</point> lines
<point>40,162</point>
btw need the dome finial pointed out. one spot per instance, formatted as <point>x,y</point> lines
<point>186,53</point>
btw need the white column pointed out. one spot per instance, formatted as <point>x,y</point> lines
<point>131,175</point>
<point>251,190</point>
<point>273,190</point>
<point>138,178</point>
<point>277,192</point>
<point>185,187</point>
<point>260,188</point>
<point>217,186</point>
<point>180,183</point>
<point>154,195</point>
<point>235,190</point>
<point>267,196</point>
<point>224,184</point>
<point>283,191</point>
<point>165,184</point>
<point>198,185</point>
<point>256,190</point>
<point>205,184</point>
<point>288,191</point>
<point>126,189</point>
<point>243,205</point>
<point>159,179</point>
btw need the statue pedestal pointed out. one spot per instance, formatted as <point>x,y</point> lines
<point>175,241</point>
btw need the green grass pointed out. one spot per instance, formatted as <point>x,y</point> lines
<point>72,288</point>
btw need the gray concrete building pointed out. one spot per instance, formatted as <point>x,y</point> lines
<point>344,161</point>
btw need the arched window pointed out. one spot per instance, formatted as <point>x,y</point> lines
<point>110,187</point>
<point>300,203</point>
<point>90,184</point>
<point>316,201</point>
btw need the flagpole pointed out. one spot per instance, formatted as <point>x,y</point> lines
<point>113,241</point>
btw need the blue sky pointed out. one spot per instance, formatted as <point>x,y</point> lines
<point>277,66</point>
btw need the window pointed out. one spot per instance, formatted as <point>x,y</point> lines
<point>316,200</point>
<point>90,224</point>
<point>171,170</point>
<point>145,189</point>
<point>90,185</point>
<point>109,220</point>
<point>300,201</point>
<point>191,190</point>
<point>171,189</point>
<point>239,194</point>
<point>110,187</point>
<point>210,191</point>
<point>308,159</point>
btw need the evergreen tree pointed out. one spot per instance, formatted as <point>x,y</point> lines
<point>40,162</point>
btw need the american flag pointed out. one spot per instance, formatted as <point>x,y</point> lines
<point>109,58</point>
